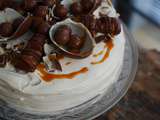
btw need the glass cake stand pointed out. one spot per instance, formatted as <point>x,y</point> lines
<point>94,107</point>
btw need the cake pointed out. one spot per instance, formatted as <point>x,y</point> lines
<point>36,64</point>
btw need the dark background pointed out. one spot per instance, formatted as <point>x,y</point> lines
<point>143,19</point>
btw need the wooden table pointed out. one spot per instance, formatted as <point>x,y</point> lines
<point>142,102</point>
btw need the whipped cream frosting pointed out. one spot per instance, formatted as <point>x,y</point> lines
<point>71,92</point>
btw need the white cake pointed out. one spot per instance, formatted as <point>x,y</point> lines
<point>93,80</point>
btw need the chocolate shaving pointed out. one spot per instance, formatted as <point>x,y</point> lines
<point>3,60</point>
<point>99,38</point>
<point>55,63</point>
<point>8,56</point>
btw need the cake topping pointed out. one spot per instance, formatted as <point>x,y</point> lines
<point>87,6</point>
<point>60,11</point>
<point>108,25</point>
<point>109,46</point>
<point>43,28</point>
<point>31,55</point>
<point>49,77</point>
<point>3,60</point>
<point>75,42</point>
<point>49,3</point>
<point>51,23</point>
<point>76,8</point>
<point>6,29</point>
<point>62,35</point>
<point>36,21</point>
<point>41,11</point>
<point>29,4</point>
<point>17,22</point>
<point>7,33</point>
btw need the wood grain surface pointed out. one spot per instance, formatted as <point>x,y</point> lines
<point>142,102</point>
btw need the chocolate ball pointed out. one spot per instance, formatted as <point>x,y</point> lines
<point>29,4</point>
<point>43,28</point>
<point>62,35</point>
<point>60,11</point>
<point>36,21</point>
<point>38,38</point>
<point>87,5</point>
<point>75,42</point>
<point>41,11</point>
<point>89,21</point>
<point>17,22</point>
<point>76,8</point>
<point>6,29</point>
<point>49,3</point>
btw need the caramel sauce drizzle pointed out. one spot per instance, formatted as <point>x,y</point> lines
<point>100,52</point>
<point>49,77</point>
<point>108,45</point>
<point>59,57</point>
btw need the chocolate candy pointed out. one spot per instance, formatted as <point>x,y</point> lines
<point>76,8</point>
<point>43,28</point>
<point>31,55</point>
<point>87,5</point>
<point>6,29</point>
<point>39,38</point>
<point>29,4</point>
<point>90,22</point>
<point>108,25</point>
<point>90,5</point>
<point>17,22</point>
<point>75,42</point>
<point>104,24</point>
<point>60,11</point>
<point>3,60</point>
<point>49,3</point>
<point>36,21</point>
<point>41,11</point>
<point>32,52</point>
<point>26,63</point>
<point>62,35</point>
